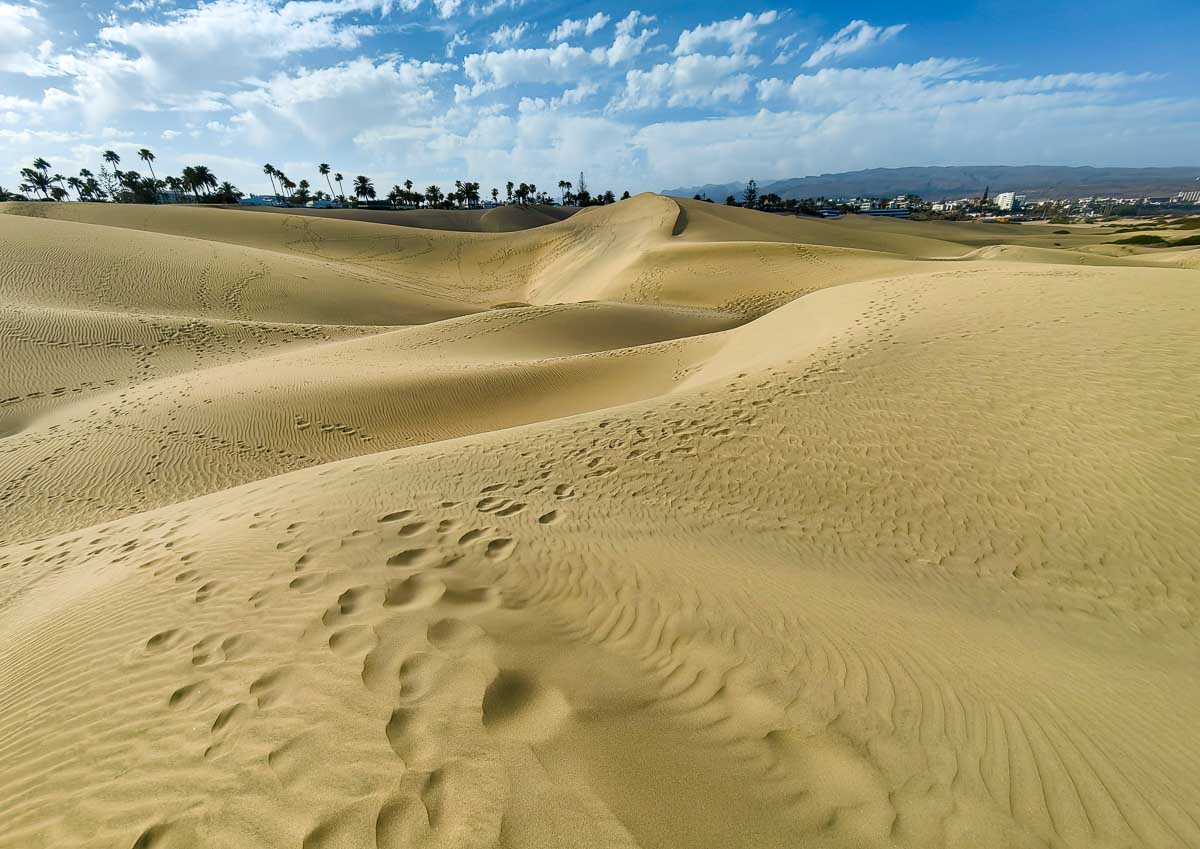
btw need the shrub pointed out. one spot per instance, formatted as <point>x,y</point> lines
<point>1144,239</point>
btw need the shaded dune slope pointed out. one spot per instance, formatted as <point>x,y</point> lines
<point>503,219</point>
<point>727,530</point>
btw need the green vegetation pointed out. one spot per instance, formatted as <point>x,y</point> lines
<point>1144,239</point>
<point>1062,233</point>
<point>1190,241</point>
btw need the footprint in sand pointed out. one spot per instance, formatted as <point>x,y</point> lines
<point>519,706</point>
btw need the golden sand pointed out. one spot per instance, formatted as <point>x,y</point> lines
<point>665,525</point>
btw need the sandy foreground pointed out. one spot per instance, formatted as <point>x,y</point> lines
<point>665,525</point>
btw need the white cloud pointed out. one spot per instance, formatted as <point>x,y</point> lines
<point>496,69</point>
<point>492,70</point>
<point>182,60</point>
<point>690,80</point>
<point>241,34</point>
<point>570,28</point>
<point>142,5</point>
<point>23,50</point>
<point>569,97</point>
<point>491,7</point>
<point>507,36</point>
<point>17,23</point>
<point>8,102</point>
<point>542,145</point>
<point>456,41</point>
<point>937,111</point>
<point>332,102</point>
<point>167,135</point>
<point>926,83</point>
<point>737,33</point>
<point>575,96</point>
<point>626,46</point>
<point>785,54</point>
<point>632,21</point>
<point>854,37</point>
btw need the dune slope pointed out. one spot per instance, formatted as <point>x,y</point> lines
<point>660,526</point>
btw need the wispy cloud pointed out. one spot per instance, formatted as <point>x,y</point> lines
<point>507,36</point>
<point>854,37</point>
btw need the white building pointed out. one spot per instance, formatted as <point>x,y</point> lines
<point>1009,200</point>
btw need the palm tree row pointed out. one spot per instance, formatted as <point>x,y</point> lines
<point>131,187</point>
<point>121,186</point>
<point>465,194</point>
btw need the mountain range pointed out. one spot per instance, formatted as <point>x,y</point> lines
<point>955,181</point>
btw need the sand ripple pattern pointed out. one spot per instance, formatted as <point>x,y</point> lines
<point>665,525</point>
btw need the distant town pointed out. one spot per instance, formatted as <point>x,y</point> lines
<point>1003,206</point>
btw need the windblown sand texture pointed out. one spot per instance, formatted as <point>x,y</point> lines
<point>665,525</point>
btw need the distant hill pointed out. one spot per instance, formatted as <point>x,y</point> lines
<point>936,183</point>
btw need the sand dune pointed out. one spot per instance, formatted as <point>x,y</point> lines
<point>664,525</point>
<point>503,219</point>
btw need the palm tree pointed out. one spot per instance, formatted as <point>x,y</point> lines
<point>304,192</point>
<point>363,187</point>
<point>269,170</point>
<point>508,187</point>
<point>189,181</point>
<point>337,178</point>
<point>433,194</point>
<point>58,178</point>
<point>76,184</point>
<point>207,178</point>
<point>58,192</point>
<point>288,186</point>
<point>396,195</point>
<point>5,194</point>
<point>227,192</point>
<point>495,195</point>
<point>38,179</point>
<point>323,169</point>
<point>408,184</point>
<point>197,177</point>
<point>146,156</point>
<point>468,192</point>
<point>110,156</point>
<point>91,188</point>
<point>41,164</point>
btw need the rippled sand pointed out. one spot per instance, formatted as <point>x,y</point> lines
<point>665,525</point>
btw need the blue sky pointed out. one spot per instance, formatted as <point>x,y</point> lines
<point>638,95</point>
